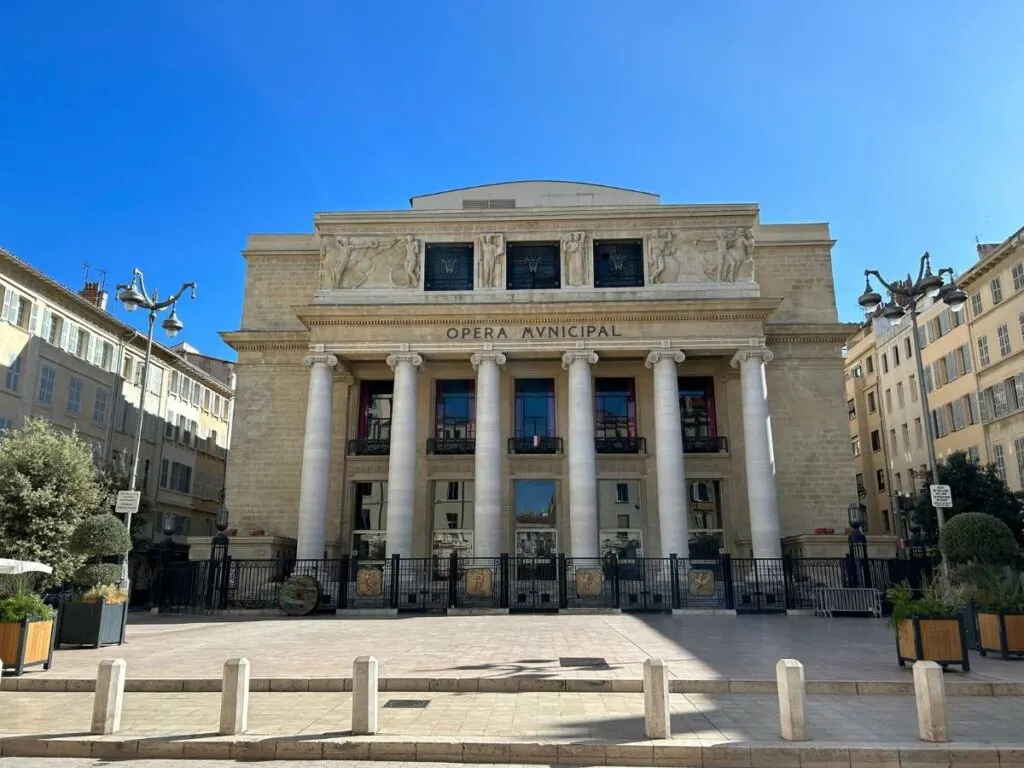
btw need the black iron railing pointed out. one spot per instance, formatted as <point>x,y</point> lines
<point>535,444</point>
<point>620,445</point>
<point>365,447</point>
<point>711,444</point>
<point>451,446</point>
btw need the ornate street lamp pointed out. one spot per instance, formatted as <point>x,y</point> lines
<point>927,285</point>
<point>133,296</point>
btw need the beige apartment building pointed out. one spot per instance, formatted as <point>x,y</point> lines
<point>65,358</point>
<point>540,367</point>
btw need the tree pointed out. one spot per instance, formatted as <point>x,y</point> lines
<point>975,489</point>
<point>116,476</point>
<point>47,487</point>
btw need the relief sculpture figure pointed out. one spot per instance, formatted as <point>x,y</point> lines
<point>575,269</point>
<point>347,262</point>
<point>739,252</point>
<point>661,250</point>
<point>410,248</point>
<point>492,250</point>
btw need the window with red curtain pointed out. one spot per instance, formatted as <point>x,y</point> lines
<point>615,407</point>
<point>697,406</point>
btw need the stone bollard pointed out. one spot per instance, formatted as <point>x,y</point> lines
<point>930,694</point>
<point>657,719</point>
<point>109,696</point>
<point>234,697</point>
<point>364,696</point>
<point>789,676</point>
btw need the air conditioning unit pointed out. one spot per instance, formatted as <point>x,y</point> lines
<point>702,491</point>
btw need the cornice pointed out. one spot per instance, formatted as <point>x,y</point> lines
<point>996,258</point>
<point>259,340</point>
<point>606,312</point>
<point>794,333</point>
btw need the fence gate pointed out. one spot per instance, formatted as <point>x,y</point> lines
<point>533,584</point>
<point>645,584</point>
<point>758,585</point>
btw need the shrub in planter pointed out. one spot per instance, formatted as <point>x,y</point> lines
<point>974,537</point>
<point>930,627</point>
<point>999,595</point>
<point>26,632</point>
<point>96,616</point>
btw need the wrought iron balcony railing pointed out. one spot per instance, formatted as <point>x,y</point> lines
<point>365,447</point>
<point>620,445</point>
<point>451,446</point>
<point>535,444</point>
<point>707,444</point>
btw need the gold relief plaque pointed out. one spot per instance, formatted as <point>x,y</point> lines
<point>589,582</point>
<point>369,582</point>
<point>700,583</point>
<point>478,582</point>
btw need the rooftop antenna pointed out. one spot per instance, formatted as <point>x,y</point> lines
<point>103,279</point>
<point>977,240</point>
<point>85,266</point>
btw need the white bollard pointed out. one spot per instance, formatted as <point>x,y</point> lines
<point>364,696</point>
<point>930,694</point>
<point>789,677</point>
<point>657,717</point>
<point>109,696</point>
<point>234,697</point>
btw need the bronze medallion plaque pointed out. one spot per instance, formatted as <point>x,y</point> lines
<point>479,581</point>
<point>700,583</point>
<point>369,582</point>
<point>589,582</point>
<point>300,595</point>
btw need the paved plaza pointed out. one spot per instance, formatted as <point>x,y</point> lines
<point>699,647</point>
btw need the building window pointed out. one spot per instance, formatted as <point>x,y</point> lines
<point>892,441</point>
<point>448,267</point>
<point>900,402</point>
<point>47,377</point>
<point>620,519</point>
<point>983,357</point>
<point>74,396</point>
<point>703,502</point>
<point>886,524</point>
<point>976,305</point>
<point>618,263</point>
<point>13,379</point>
<point>453,520</point>
<point>898,479</point>
<point>454,415</point>
<point>876,440</point>
<point>905,434</point>
<point>697,414</point>
<point>535,503</point>
<point>973,454</point>
<point>857,372</point>
<point>1018,450</point>
<point>851,408</point>
<point>52,327</point>
<point>535,416</point>
<point>870,362</point>
<point>885,364</point>
<point>375,417</point>
<point>175,476</point>
<point>880,479</point>
<point>615,415</point>
<point>533,266</point>
<point>996,288</point>
<point>888,401</point>
<point>999,458</point>
<point>861,490</point>
<point>369,521</point>
<point>1018,277</point>
<point>872,405</point>
<point>855,444</point>
<point>919,432</point>
<point>99,406</point>
<point>908,347</point>
<point>895,355</point>
<point>1003,336</point>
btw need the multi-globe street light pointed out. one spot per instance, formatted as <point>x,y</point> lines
<point>134,296</point>
<point>930,286</point>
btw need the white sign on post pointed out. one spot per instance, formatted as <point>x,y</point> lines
<point>942,496</point>
<point>127,502</point>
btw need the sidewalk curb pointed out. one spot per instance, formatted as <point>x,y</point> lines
<point>457,750</point>
<point>30,684</point>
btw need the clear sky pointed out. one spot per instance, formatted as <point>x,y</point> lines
<point>158,134</point>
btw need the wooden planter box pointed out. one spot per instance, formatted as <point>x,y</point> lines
<point>940,640</point>
<point>1001,633</point>
<point>27,643</point>
<point>92,624</point>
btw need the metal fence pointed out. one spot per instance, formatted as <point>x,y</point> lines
<point>531,584</point>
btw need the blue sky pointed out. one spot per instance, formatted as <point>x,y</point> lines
<point>159,134</point>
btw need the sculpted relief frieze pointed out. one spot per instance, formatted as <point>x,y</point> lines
<point>695,256</point>
<point>369,262</point>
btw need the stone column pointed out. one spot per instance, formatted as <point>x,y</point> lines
<point>487,460</point>
<point>668,446</point>
<point>316,458</point>
<point>402,466</point>
<point>760,456</point>
<point>582,455</point>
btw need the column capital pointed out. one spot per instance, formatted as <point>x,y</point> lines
<point>479,358</point>
<point>655,356</point>
<point>404,357</point>
<point>588,356</point>
<point>344,377</point>
<point>320,358</point>
<point>743,355</point>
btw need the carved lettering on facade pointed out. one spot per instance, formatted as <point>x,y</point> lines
<point>538,332</point>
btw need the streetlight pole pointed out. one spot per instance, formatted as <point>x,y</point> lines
<point>133,296</point>
<point>927,285</point>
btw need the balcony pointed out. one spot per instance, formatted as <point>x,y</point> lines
<point>708,444</point>
<point>535,445</point>
<point>366,447</point>
<point>451,446</point>
<point>620,445</point>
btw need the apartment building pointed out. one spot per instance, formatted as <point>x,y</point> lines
<point>996,289</point>
<point>65,358</point>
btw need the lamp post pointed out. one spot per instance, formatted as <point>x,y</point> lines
<point>927,285</point>
<point>134,296</point>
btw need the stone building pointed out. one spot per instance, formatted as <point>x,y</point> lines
<point>540,367</point>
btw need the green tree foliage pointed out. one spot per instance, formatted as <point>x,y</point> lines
<point>975,489</point>
<point>47,487</point>
<point>97,537</point>
<point>974,537</point>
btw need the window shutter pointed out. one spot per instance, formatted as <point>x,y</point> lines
<point>985,401</point>
<point>47,324</point>
<point>33,319</point>
<point>65,329</point>
<point>89,347</point>
<point>9,296</point>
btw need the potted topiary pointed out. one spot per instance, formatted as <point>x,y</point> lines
<point>26,632</point>
<point>929,627</point>
<point>999,595</point>
<point>97,615</point>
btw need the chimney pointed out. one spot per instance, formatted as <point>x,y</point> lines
<point>94,295</point>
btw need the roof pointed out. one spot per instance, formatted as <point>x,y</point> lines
<point>557,182</point>
<point>990,257</point>
<point>101,317</point>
